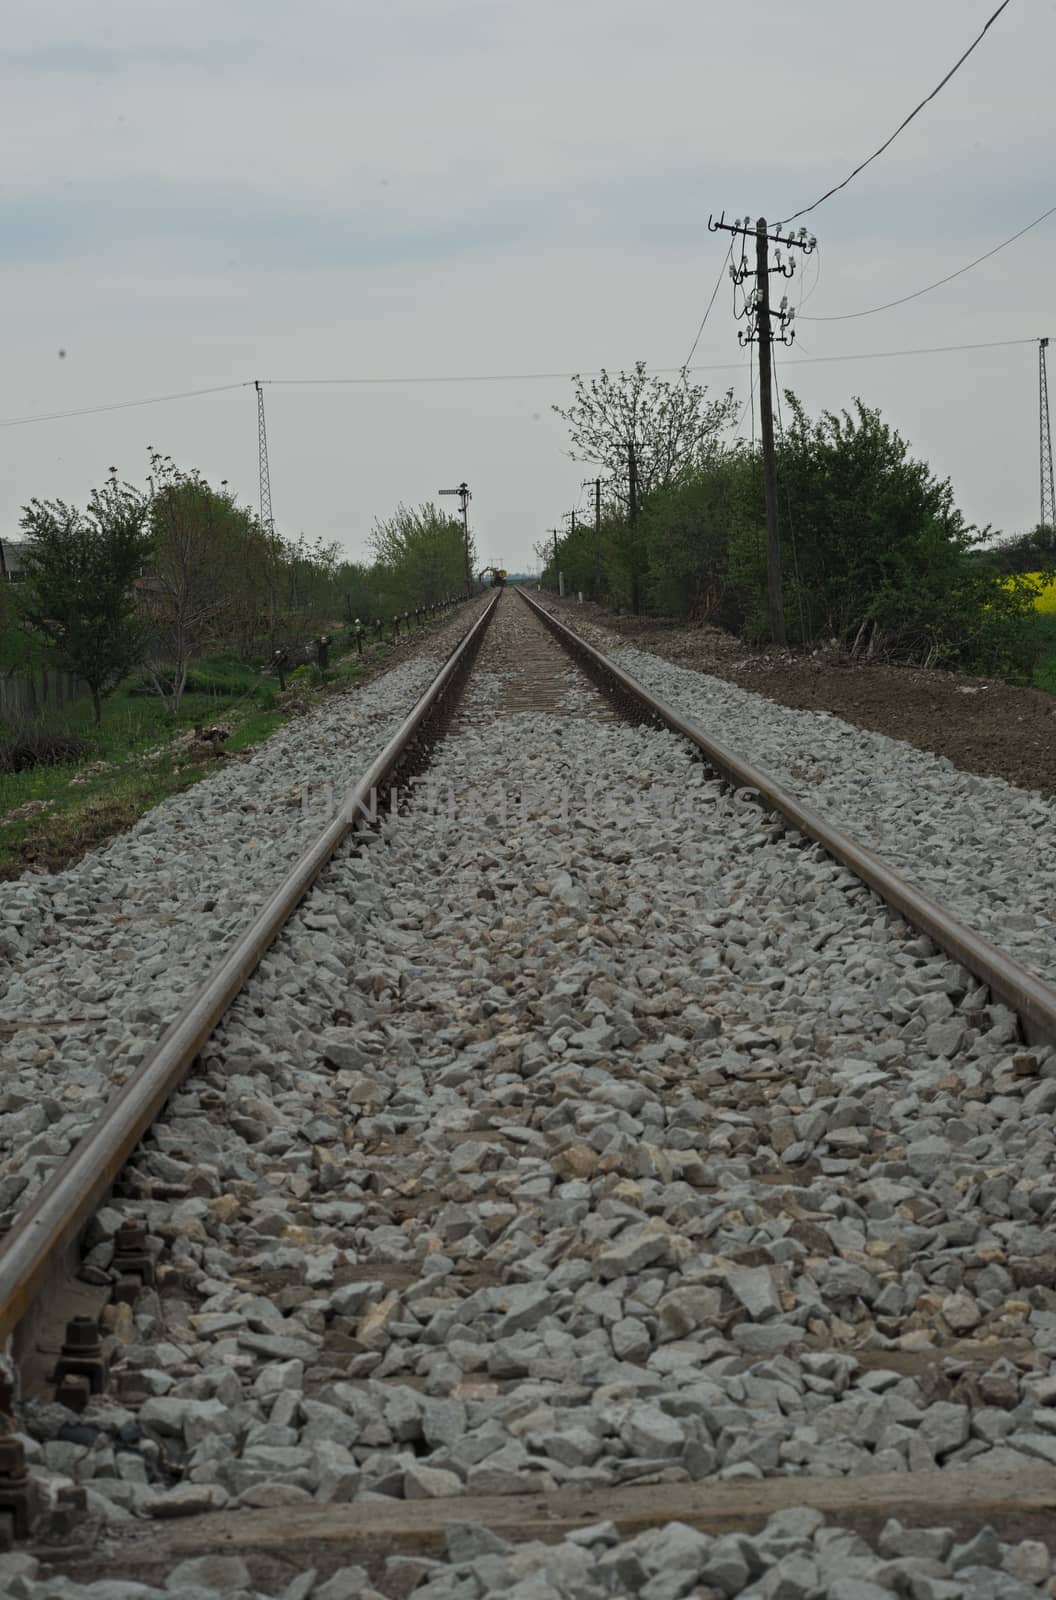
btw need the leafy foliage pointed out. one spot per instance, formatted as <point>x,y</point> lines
<point>876,557</point>
<point>419,560</point>
<point>76,586</point>
<point>1027,552</point>
<point>218,581</point>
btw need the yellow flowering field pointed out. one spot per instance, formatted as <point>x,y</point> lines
<point>1045,599</point>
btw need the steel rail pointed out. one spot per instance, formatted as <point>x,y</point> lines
<point>35,1247</point>
<point>1031,997</point>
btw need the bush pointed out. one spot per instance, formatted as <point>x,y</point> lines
<point>1032,553</point>
<point>223,676</point>
<point>39,747</point>
<point>875,555</point>
<point>690,532</point>
<point>307,675</point>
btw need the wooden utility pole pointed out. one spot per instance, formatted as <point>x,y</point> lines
<point>596,574</point>
<point>756,309</point>
<point>632,480</point>
<point>555,532</point>
<point>775,600</point>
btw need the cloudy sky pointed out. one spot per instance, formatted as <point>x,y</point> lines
<point>201,194</point>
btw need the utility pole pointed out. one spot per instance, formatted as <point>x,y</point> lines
<point>775,602</point>
<point>557,577</point>
<point>267,521</point>
<point>596,573</point>
<point>760,331</point>
<point>464,497</point>
<point>632,496</point>
<point>1048,495</point>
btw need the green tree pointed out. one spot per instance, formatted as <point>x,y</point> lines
<point>217,581</point>
<point>687,532</point>
<point>77,583</point>
<point>195,579</point>
<point>422,554</point>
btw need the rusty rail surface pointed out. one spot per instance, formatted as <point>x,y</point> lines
<point>1031,997</point>
<point>35,1247</point>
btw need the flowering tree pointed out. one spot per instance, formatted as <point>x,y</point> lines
<point>671,427</point>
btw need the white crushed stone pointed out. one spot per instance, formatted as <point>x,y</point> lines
<point>983,847</point>
<point>594,1133</point>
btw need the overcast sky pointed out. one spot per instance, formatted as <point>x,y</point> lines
<point>198,194</point>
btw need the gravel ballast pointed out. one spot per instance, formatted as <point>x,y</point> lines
<point>95,960</point>
<point>983,847</point>
<point>586,1131</point>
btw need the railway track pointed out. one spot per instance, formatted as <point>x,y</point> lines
<point>583,1149</point>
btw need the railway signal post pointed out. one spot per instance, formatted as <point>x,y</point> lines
<point>464,497</point>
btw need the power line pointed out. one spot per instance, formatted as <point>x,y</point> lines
<point>922,350</point>
<point>904,124</point>
<point>711,302</point>
<point>497,377</point>
<point>849,316</point>
<point>123,405</point>
<point>804,299</point>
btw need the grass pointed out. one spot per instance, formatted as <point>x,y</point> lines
<point>141,754</point>
<point>138,756</point>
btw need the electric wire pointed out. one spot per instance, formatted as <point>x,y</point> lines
<point>904,124</point>
<point>707,313</point>
<point>849,316</point>
<point>804,299</point>
<point>123,405</point>
<point>497,377</point>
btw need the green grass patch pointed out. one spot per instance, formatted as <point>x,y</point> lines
<point>222,677</point>
<point>141,753</point>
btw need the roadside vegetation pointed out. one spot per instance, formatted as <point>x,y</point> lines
<point>174,613</point>
<point>419,560</point>
<point>877,560</point>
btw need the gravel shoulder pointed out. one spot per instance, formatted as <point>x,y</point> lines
<point>981,845</point>
<point>982,725</point>
<point>55,816</point>
<point>96,959</point>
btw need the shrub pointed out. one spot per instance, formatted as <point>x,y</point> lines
<point>39,747</point>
